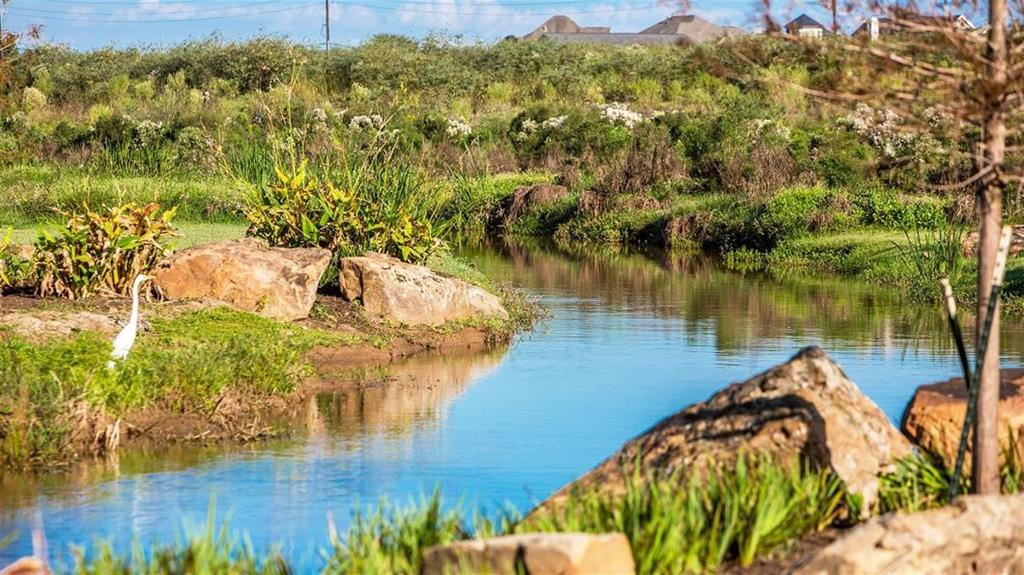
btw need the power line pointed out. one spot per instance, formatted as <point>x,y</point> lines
<point>247,14</point>
<point>142,11</point>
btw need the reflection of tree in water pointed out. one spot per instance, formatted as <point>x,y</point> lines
<point>396,399</point>
<point>740,309</point>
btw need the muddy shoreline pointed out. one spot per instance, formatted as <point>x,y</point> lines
<point>364,345</point>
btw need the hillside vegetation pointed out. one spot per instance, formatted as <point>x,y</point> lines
<point>711,146</point>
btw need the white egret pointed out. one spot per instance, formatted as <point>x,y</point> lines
<point>124,340</point>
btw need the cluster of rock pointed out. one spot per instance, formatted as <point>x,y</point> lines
<point>282,283</point>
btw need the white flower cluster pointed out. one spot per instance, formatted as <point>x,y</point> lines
<point>530,126</point>
<point>149,132</point>
<point>319,115</point>
<point>619,113</point>
<point>880,128</point>
<point>458,128</point>
<point>766,127</point>
<point>373,121</point>
<point>553,123</point>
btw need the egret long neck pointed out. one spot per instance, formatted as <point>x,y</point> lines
<point>134,318</point>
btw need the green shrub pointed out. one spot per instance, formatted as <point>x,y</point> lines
<point>888,209</point>
<point>367,204</point>
<point>102,251</point>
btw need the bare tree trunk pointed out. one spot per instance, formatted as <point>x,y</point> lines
<point>990,212</point>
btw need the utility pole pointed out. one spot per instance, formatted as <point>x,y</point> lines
<point>835,18</point>
<point>327,25</point>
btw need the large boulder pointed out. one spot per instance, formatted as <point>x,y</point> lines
<point>975,534</point>
<point>534,554</point>
<point>413,295</point>
<point>278,283</point>
<point>806,407</point>
<point>935,415</point>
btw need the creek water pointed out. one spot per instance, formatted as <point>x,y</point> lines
<point>629,340</point>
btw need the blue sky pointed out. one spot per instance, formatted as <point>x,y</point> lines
<point>90,23</point>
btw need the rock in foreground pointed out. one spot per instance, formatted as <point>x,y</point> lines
<point>279,283</point>
<point>976,534</point>
<point>806,407</point>
<point>26,566</point>
<point>935,415</point>
<point>413,295</point>
<point>534,554</point>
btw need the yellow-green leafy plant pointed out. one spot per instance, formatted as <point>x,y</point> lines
<point>102,252</point>
<point>365,205</point>
<point>13,268</point>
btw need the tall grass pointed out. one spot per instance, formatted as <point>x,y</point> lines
<point>694,525</point>
<point>209,551</point>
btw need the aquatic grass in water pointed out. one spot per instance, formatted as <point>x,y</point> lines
<point>209,551</point>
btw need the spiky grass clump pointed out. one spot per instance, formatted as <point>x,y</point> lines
<point>694,525</point>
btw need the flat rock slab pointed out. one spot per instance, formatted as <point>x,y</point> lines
<point>975,534</point>
<point>38,325</point>
<point>935,415</point>
<point>279,283</point>
<point>805,408</point>
<point>534,554</point>
<point>409,294</point>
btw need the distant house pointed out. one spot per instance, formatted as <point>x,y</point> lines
<point>696,29</point>
<point>676,30</point>
<point>806,27</point>
<point>874,27</point>
<point>564,25</point>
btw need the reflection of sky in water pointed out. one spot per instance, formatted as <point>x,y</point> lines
<point>602,369</point>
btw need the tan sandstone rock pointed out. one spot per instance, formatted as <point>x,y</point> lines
<point>278,283</point>
<point>935,414</point>
<point>976,534</point>
<point>806,407</point>
<point>534,554</point>
<point>413,295</point>
<point>26,566</point>
<point>41,324</point>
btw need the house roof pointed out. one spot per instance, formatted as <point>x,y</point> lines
<point>618,39</point>
<point>804,21</point>
<point>564,25</point>
<point>692,26</point>
<point>923,19</point>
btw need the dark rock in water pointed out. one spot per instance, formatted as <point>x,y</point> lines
<point>278,283</point>
<point>935,415</point>
<point>806,407</point>
<point>976,534</point>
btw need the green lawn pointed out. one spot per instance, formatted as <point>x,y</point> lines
<point>192,233</point>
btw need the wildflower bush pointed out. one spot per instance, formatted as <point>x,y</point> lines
<point>101,252</point>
